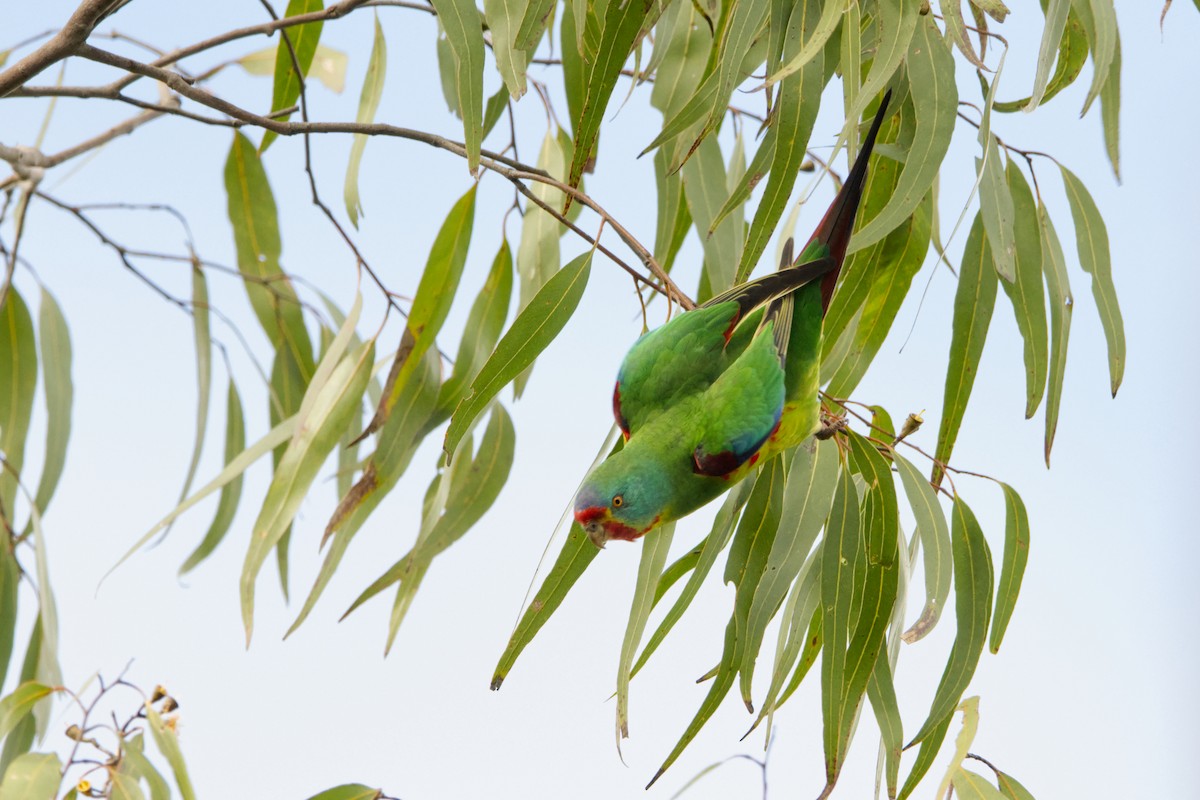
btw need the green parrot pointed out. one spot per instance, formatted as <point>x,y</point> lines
<point>704,397</point>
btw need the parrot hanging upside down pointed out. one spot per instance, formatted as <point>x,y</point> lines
<point>703,398</point>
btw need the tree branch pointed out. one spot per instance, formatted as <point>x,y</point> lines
<point>62,44</point>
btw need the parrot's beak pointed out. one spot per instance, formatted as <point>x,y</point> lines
<point>592,521</point>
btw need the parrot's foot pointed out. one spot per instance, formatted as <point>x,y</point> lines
<point>830,425</point>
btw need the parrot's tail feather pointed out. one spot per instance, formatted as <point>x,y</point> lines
<point>753,294</point>
<point>779,310</point>
<point>835,227</point>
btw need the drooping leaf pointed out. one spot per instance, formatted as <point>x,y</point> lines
<point>962,743</point>
<point>935,104</point>
<point>1062,304</point>
<point>124,786</point>
<point>714,543</point>
<point>996,209</point>
<point>934,535</point>
<point>431,304</point>
<point>532,331</point>
<point>253,215</point>
<point>654,555</point>
<point>167,740</point>
<point>956,31</point>
<point>881,691</point>
<point>577,553</point>
<point>1072,55</point>
<point>349,791</point>
<point>231,492</point>
<point>797,102</point>
<point>970,785</point>
<point>503,19</point>
<point>303,40</point>
<point>538,254</point>
<point>21,738</point>
<point>973,305</point>
<point>202,333</point>
<point>368,104</point>
<point>32,776</point>
<point>925,756</point>
<point>1091,239</point>
<point>328,65</point>
<point>54,340</point>
<point>396,444</point>
<point>480,334</point>
<point>10,580</point>
<point>811,479</point>
<point>704,187</point>
<point>1099,20</point>
<point>471,491</point>
<point>973,605</point>
<point>1016,554</point>
<point>14,707</point>
<point>135,764</point>
<point>1026,292</point>
<point>1110,111</point>
<point>1052,34</point>
<point>325,413</point>
<point>18,380</point>
<point>831,15</point>
<point>1011,788</point>
<point>464,35</point>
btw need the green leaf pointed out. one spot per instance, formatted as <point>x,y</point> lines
<point>368,104</point>
<point>935,104</point>
<point>135,763</point>
<point>1052,35</point>
<point>1061,306</point>
<point>970,785</point>
<point>533,24</point>
<point>899,258</point>
<point>470,493</point>
<point>21,737</point>
<point>47,670</point>
<point>1026,292</point>
<point>168,744</point>
<point>925,756</point>
<point>32,776</point>
<point>253,215</point>
<point>1110,111</point>
<point>1099,20</point>
<point>349,791</point>
<point>654,555</point>
<point>934,535</point>
<point>532,331</point>
<point>881,691</point>
<point>797,102</point>
<point>10,581</point>
<point>394,451</point>
<point>973,305</point>
<point>1011,788</point>
<point>124,786</point>
<point>303,40</point>
<point>714,543</point>
<point>54,340</point>
<point>704,187</point>
<point>811,479</point>
<point>18,380</point>
<point>577,553</point>
<point>996,208</point>
<point>464,34</point>
<point>973,606</point>
<point>14,707</point>
<point>435,294</point>
<point>1091,239</point>
<point>962,742</point>
<point>231,492</point>
<point>481,332</point>
<point>203,335</point>
<point>1016,554</point>
<point>956,31</point>
<point>493,109</point>
<point>503,19</point>
<point>831,15</point>
<point>538,254</point>
<point>324,415</point>
<point>609,32</point>
<point>1072,55</point>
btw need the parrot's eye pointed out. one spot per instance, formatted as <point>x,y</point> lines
<point>618,501</point>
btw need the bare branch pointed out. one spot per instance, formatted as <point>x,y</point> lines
<point>62,44</point>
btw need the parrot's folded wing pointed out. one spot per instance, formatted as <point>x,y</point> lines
<point>742,409</point>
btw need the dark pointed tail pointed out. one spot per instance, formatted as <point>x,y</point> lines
<point>835,227</point>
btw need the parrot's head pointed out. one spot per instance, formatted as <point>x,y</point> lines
<point>620,499</point>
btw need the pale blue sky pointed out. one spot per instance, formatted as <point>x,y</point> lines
<point>1091,696</point>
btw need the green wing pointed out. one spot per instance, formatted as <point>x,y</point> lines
<point>743,407</point>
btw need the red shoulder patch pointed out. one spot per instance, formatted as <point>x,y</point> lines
<point>714,465</point>
<point>621,423</point>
